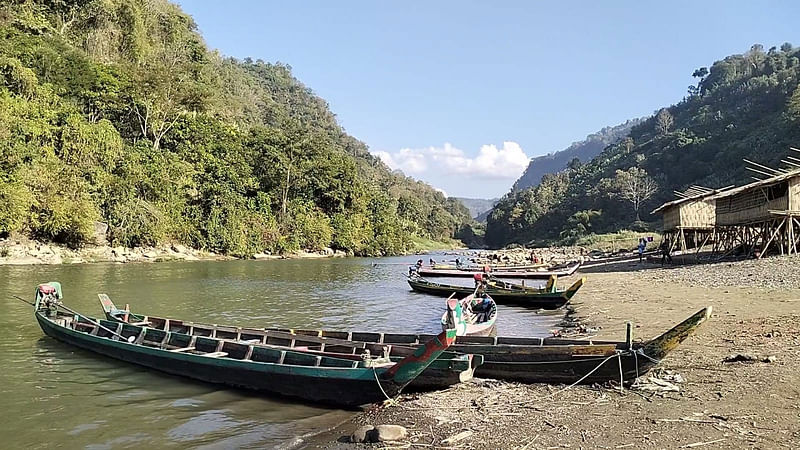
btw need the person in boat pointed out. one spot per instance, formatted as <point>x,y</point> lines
<point>458,263</point>
<point>419,263</point>
<point>432,262</point>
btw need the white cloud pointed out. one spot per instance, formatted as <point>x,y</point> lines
<point>506,162</point>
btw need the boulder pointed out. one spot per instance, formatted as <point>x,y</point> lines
<point>362,434</point>
<point>99,234</point>
<point>391,432</point>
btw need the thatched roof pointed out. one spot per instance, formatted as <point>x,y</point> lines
<point>765,182</point>
<point>690,198</point>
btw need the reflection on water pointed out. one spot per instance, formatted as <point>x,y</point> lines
<point>52,393</point>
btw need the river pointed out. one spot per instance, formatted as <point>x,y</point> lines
<point>54,395</point>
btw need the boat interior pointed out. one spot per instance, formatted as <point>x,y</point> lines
<point>208,346</point>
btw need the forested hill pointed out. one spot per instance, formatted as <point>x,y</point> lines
<point>115,111</point>
<point>583,150</point>
<point>744,106</point>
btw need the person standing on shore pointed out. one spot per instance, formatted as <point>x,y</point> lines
<point>665,256</point>
<point>642,246</point>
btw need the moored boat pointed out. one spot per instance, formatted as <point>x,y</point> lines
<point>446,370</point>
<point>549,297</point>
<point>544,273</point>
<point>535,359</point>
<point>315,378</point>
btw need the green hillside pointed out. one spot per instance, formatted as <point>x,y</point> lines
<point>115,111</point>
<point>744,106</point>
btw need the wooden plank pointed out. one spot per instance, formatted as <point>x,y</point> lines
<point>215,354</point>
<point>182,349</point>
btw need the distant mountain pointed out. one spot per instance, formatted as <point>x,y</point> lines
<point>478,206</point>
<point>584,150</point>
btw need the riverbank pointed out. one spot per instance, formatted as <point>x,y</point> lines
<point>23,251</point>
<point>719,404</point>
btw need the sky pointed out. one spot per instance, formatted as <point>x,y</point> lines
<point>460,94</point>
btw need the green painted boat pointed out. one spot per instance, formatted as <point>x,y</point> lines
<point>300,375</point>
<point>448,369</point>
<point>549,297</point>
<point>536,359</point>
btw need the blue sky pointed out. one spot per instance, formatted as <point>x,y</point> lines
<point>461,93</point>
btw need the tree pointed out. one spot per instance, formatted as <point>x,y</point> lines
<point>634,186</point>
<point>628,144</point>
<point>664,121</point>
<point>700,73</point>
<point>574,164</point>
<point>794,104</point>
<point>786,47</point>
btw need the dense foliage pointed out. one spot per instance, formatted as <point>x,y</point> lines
<point>115,111</point>
<point>744,106</point>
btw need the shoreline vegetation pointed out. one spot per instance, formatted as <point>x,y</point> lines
<point>25,251</point>
<point>121,122</point>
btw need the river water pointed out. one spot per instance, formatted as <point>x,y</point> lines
<point>54,395</point>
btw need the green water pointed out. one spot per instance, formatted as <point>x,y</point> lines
<point>54,395</point>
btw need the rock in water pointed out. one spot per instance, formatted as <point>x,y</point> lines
<point>391,432</point>
<point>362,434</point>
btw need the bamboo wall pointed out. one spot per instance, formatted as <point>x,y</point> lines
<point>794,194</point>
<point>672,218</point>
<point>749,206</point>
<point>691,214</point>
<point>698,214</point>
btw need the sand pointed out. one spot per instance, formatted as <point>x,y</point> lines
<point>719,405</point>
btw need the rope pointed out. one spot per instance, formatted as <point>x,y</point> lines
<point>575,383</point>
<point>641,352</point>
<point>391,400</point>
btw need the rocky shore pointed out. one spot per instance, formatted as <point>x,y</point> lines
<point>22,251</point>
<point>734,384</point>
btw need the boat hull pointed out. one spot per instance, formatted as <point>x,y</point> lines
<point>351,389</point>
<point>528,274</point>
<point>532,300</point>
<point>540,360</point>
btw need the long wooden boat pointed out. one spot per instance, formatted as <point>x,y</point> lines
<point>473,315</point>
<point>535,359</point>
<point>448,369</point>
<point>549,297</point>
<point>315,378</point>
<point>427,271</point>
<point>493,265</point>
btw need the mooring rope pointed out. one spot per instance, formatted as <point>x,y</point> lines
<point>617,354</point>
<point>377,380</point>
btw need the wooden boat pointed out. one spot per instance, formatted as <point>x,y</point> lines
<point>559,271</point>
<point>493,265</point>
<point>315,378</point>
<point>550,360</point>
<point>448,369</point>
<point>473,315</point>
<point>549,297</point>
<point>536,359</point>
